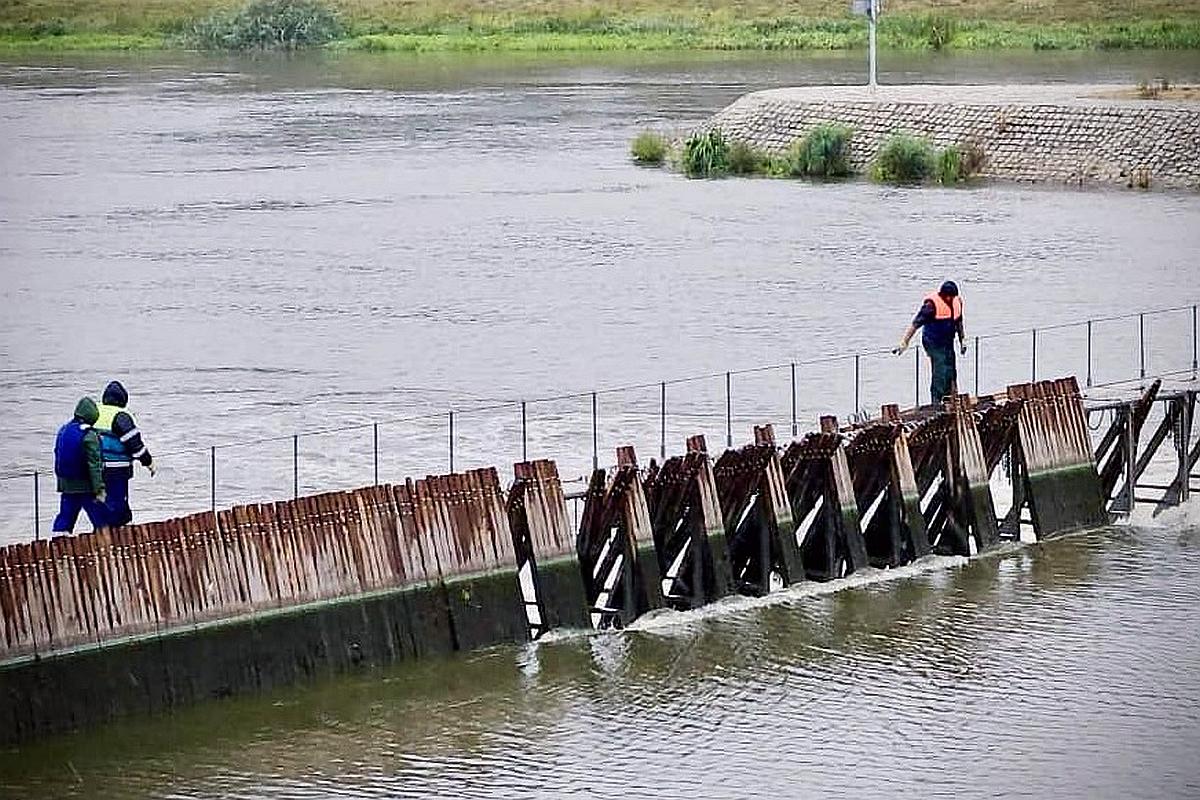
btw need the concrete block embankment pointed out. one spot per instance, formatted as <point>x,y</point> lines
<point>1064,134</point>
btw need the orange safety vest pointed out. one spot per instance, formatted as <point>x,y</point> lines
<point>944,310</point>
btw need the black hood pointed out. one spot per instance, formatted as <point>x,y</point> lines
<point>115,395</point>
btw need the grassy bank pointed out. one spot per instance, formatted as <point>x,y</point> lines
<point>561,25</point>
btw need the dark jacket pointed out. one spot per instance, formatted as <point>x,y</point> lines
<point>77,464</point>
<point>120,440</point>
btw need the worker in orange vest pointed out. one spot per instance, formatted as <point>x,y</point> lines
<point>941,318</point>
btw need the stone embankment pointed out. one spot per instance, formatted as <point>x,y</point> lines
<point>1064,134</point>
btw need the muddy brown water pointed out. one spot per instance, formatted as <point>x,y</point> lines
<point>266,246</point>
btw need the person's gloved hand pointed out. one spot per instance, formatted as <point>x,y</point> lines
<point>962,347</point>
<point>101,497</point>
<point>899,349</point>
<point>152,469</point>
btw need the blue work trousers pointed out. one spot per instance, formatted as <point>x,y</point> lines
<point>116,484</point>
<point>69,506</point>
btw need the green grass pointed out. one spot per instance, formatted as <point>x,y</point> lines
<point>705,155</point>
<point>649,148</point>
<point>583,25</point>
<point>904,159</point>
<point>824,152</point>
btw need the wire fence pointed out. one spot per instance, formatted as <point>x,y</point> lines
<point>579,429</point>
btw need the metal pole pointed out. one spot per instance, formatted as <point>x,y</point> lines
<point>213,476</point>
<point>1194,342</point>
<point>1130,459</point>
<point>37,516</point>
<point>295,466</point>
<point>452,441</point>
<point>977,366</point>
<point>857,404</point>
<point>871,45</point>
<point>728,410</point>
<point>795,428</point>
<point>375,448</point>
<point>1142,343</point>
<point>1187,408</point>
<point>595,435</point>
<point>1033,358</point>
<point>524,434</point>
<point>917,377</point>
<point>662,424</point>
<point>1089,353</point>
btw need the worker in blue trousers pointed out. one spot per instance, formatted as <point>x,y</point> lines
<point>941,319</point>
<point>78,471</point>
<point>120,445</point>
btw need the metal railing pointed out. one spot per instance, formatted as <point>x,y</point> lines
<point>1076,351</point>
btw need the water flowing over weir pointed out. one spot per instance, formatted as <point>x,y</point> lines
<point>157,616</point>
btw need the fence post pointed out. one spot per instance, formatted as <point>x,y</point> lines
<point>212,476</point>
<point>295,466</point>
<point>977,366</point>
<point>37,516</point>
<point>728,409</point>
<point>857,403</point>
<point>1089,353</point>
<point>1033,359</point>
<point>1194,365</point>
<point>916,377</point>
<point>1130,459</point>
<point>795,428</point>
<point>595,435</point>
<point>524,434</point>
<point>451,441</point>
<point>1142,344</point>
<point>662,423</point>
<point>375,449</point>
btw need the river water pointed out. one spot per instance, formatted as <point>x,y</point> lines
<point>267,246</point>
<point>263,247</point>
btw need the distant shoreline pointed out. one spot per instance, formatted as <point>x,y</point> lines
<point>549,33</point>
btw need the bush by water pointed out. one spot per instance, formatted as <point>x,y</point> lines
<point>268,24</point>
<point>824,152</point>
<point>649,147</point>
<point>904,159</point>
<point>706,155</point>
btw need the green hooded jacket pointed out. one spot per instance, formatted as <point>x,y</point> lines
<point>87,413</point>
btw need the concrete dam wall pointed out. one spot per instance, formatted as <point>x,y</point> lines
<point>1063,134</point>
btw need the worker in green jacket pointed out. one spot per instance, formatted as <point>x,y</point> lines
<point>78,469</point>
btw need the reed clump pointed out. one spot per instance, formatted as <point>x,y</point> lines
<point>904,159</point>
<point>705,155</point>
<point>268,25</point>
<point>649,148</point>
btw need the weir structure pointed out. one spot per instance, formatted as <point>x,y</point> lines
<point>156,616</point>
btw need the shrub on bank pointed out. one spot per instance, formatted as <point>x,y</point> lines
<point>904,159</point>
<point>950,166</point>
<point>649,148</point>
<point>268,24</point>
<point>746,160</point>
<point>824,152</point>
<point>705,155</point>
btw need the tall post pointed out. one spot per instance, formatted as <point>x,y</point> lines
<point>595,434</point>
<point>1033,358</point>
<point>662,423</point>
<point>795,427</point>
<point>1089,353</point>
<point>728,409</point>
<point>375,449</point>
<point>871,16</point>
<point>1194,364</point>
<point>451,441</point>
<point>977,366</point>
<point>295,466</point>
<point>857,404</point>
<point>37,515</point>
<point>1187,408</point>
<point>917,377</point>
<point>1130,459</point>
<point>1142,344</point>
<point>524,434</point>
<point>212,476</point>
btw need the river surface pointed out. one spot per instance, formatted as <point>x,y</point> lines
<point>267,246</point>
<point>1066,670</point>
<point>263,247</point>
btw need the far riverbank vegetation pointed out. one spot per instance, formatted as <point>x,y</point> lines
<point>592,25</point>
<point>823,153</point>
